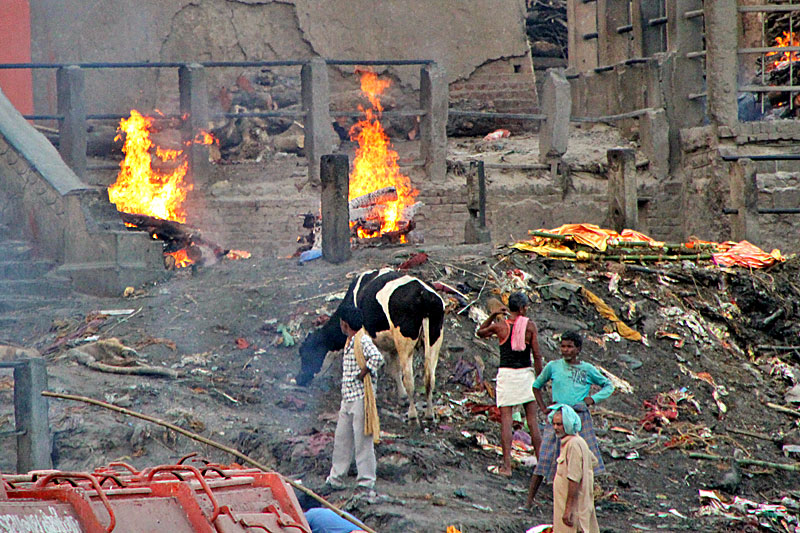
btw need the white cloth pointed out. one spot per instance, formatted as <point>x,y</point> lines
<point>515,386</point>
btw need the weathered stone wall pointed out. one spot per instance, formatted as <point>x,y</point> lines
<point>461,37</point>
<point>66,220</point>
<point>706,180</point>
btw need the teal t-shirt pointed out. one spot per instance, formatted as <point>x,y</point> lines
<point>572,383</point>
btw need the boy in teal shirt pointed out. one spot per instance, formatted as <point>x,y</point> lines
<point>572,381</point>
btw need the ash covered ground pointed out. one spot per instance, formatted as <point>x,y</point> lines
<point>226,329</point>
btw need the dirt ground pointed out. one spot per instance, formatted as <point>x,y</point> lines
<point>222,329</point>
<point>229,332</point>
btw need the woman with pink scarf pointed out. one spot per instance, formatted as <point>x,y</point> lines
<point>518,339</point>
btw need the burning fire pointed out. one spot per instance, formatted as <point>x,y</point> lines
<point>139,188</point>
<point>788,39</point>
<point>375,165</point>
<point>143,190</point>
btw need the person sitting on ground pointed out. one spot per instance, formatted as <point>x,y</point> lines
<point>518,339</point>
<point>572,382</point>
<point>573,486</point>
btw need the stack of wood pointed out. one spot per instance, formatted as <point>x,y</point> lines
<point>546,25</point>
<point>366,212</point>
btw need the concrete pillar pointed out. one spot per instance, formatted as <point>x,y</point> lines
<point>317,123</point>
<point>582,17</point>
<point>32,423</point>
<point>623,206</point>
<point>653,38</point>
<point>612,47</point>
<point>475,230</point>
<point>335,178</point>
<point>557,105</point>
<point>434,98</point>
<point>72,136</point>
<point>721,24</point>
<point>744,197</point>
<point>654,140</point>
<point>194,105</point>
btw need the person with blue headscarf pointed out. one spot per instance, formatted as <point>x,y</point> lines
<point>573,485</point>
<point>571,384</point>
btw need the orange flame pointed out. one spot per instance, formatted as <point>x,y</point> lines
<point>375,164</point>
<point>788,39</point>
<point>181,258</point>
<point>139,188</point>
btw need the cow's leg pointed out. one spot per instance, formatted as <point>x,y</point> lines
<point>384,341</point>
<point>431,361</point>
<point>405,359</point>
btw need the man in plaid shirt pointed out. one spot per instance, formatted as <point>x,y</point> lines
<point>349,439</point>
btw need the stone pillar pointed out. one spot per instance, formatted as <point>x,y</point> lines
<point>744,197</point>
<point>654,139</point>
<point>721,24</point>
<point>72,136</point>
<point>317,124</point>
<point>194,106</point>
<point>335,178</point>
<point>623,206</point>
<point>557,105</point>
<point>32,423</point>
<point>475,230</point>
<point>434,100</point>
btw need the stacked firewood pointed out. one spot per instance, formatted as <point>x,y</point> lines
<point>366,212</point>
<point>546,24</point>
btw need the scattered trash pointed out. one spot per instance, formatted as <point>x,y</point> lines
<point>413,261</point>
<point>774,517</point>
<point>717,392</point>
<point>310,255</point>
<point>288,340</point>
<point>496,135</point>
<point>543,528</point>
<point>619,384</point>
<point>241,343</point>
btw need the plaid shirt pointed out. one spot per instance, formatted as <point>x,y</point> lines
<point>352,387</point>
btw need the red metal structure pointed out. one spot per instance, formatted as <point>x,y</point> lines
<point>168,498</point>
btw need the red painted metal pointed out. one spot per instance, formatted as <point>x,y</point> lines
<point>173,498</point>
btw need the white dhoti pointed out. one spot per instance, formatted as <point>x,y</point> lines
<point>515,386</point>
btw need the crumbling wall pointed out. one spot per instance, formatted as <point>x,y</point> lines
<point>461,37</point>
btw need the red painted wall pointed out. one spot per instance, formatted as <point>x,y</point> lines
<point>15,47</point>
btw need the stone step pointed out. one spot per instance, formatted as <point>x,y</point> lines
<point>15,250</point>
<point>25,269</point>
<point>21,288</point>
<point>9,303</point>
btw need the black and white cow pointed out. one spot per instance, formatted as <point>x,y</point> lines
<point>400,312</point>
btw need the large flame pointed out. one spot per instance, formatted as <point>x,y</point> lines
<point>139,188</point>
<point>788,39</point>
<point>375,164</point>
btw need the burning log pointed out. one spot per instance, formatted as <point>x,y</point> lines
<point>380,196</point>
<point>176,236</point>
<point>371,212</point>
<point>388,237</point>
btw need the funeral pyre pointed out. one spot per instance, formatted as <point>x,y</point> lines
<point>150,191</point>
<point>381,199</point>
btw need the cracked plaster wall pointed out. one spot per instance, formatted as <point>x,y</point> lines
<point>461,36</point>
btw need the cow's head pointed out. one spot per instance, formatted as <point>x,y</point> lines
<point>312,354</point>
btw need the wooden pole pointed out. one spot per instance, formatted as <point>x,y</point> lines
<point>204,440</point>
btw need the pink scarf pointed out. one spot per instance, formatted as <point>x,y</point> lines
<point>518,333</point>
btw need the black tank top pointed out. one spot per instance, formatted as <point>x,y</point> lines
<point>513,359</point>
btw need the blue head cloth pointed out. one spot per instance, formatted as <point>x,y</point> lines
<point>571,420</point>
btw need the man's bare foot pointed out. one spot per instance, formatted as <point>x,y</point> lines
<point>499,471</point>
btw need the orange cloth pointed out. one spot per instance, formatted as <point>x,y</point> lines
<point>746,255</point>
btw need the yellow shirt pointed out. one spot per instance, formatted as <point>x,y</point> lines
<point>576,462</point>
